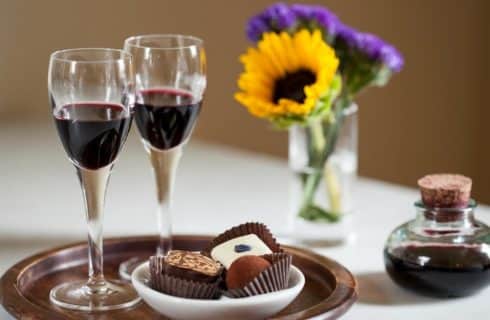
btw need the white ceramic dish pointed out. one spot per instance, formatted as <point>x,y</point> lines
<point>250,308</point>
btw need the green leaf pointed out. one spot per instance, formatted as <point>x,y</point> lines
<point>316,214</point>
<point>324,105</point>
<point>382,77</point>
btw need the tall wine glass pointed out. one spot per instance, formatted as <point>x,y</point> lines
<point>91,93</point>
<point>170,74</point>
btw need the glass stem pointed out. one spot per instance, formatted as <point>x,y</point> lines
<point>94,186</point>
<point>165,163</point>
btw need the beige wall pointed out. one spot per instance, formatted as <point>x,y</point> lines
<point>432,117</point>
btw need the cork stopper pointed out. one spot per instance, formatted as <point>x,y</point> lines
<point>445,190</point>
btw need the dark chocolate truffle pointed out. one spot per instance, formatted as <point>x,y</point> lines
<point>191,266</point>
<point>186,274</point>
<point>445,190</point>
<point>245,269</point>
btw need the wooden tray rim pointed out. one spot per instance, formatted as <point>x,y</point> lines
<point>343,296</point>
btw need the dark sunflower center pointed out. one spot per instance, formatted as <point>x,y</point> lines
<point>291,86</point>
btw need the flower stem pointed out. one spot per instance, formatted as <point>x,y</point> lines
<point>323,136</point>
<point>333,188</point>
<point>318,139</point>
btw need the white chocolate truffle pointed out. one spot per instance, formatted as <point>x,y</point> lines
<point>248,245</point>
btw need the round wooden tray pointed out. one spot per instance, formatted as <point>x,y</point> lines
<point>329,292</point>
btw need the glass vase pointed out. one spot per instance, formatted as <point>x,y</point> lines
<point>323,162</point>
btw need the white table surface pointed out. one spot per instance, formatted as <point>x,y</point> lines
<point>40,207</point>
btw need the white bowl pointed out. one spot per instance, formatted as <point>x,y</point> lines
<point>255,307</point>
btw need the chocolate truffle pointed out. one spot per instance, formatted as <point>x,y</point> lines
<point>246,245</point>
<point>186,274</point>
<point>445,190</point>
<point>245,269</point>
<point>191,266</point>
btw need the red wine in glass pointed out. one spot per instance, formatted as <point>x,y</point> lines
<point>170,81</point>
<point>92,93</point>
<point>165,117</point>
<point>92,133</point>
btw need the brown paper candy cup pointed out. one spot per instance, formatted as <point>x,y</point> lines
<point>180,287</point>
<point>256,228</point>
<point>272,279</point>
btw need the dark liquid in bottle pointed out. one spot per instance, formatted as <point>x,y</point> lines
<point>440,271</point>
<point>92,133</point>
<point>165,117</point>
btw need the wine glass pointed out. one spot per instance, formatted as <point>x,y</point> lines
<point>91,93</point>
<point>170,80</point>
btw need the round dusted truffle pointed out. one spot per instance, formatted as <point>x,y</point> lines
<point>445,190</point>
<point>245,269</point>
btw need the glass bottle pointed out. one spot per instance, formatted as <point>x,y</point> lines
<point>443,252</point>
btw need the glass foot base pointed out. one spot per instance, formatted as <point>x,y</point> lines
<point>127,267</point>
<point>77,296</point>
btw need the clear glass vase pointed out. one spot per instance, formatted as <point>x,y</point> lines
<point>323,161</point>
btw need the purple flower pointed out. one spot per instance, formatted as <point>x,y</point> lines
<point>373,47</point>
<point>328,20</point>
<point>349,41</point>
<point>378,50</point>
<point>321,15</point>
<point>350,36</point>
<point>256,26</point>
<point>277,17</point>
<point>303,11</point>
<point>281,17</point>
<point>392,58</point>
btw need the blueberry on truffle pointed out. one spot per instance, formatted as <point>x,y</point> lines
<point>239,248</point>
<point>244,269</point>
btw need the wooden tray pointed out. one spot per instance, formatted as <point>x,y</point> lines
<point>329,292</point>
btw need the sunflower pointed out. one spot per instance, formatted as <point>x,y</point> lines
<point>287,76</point>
